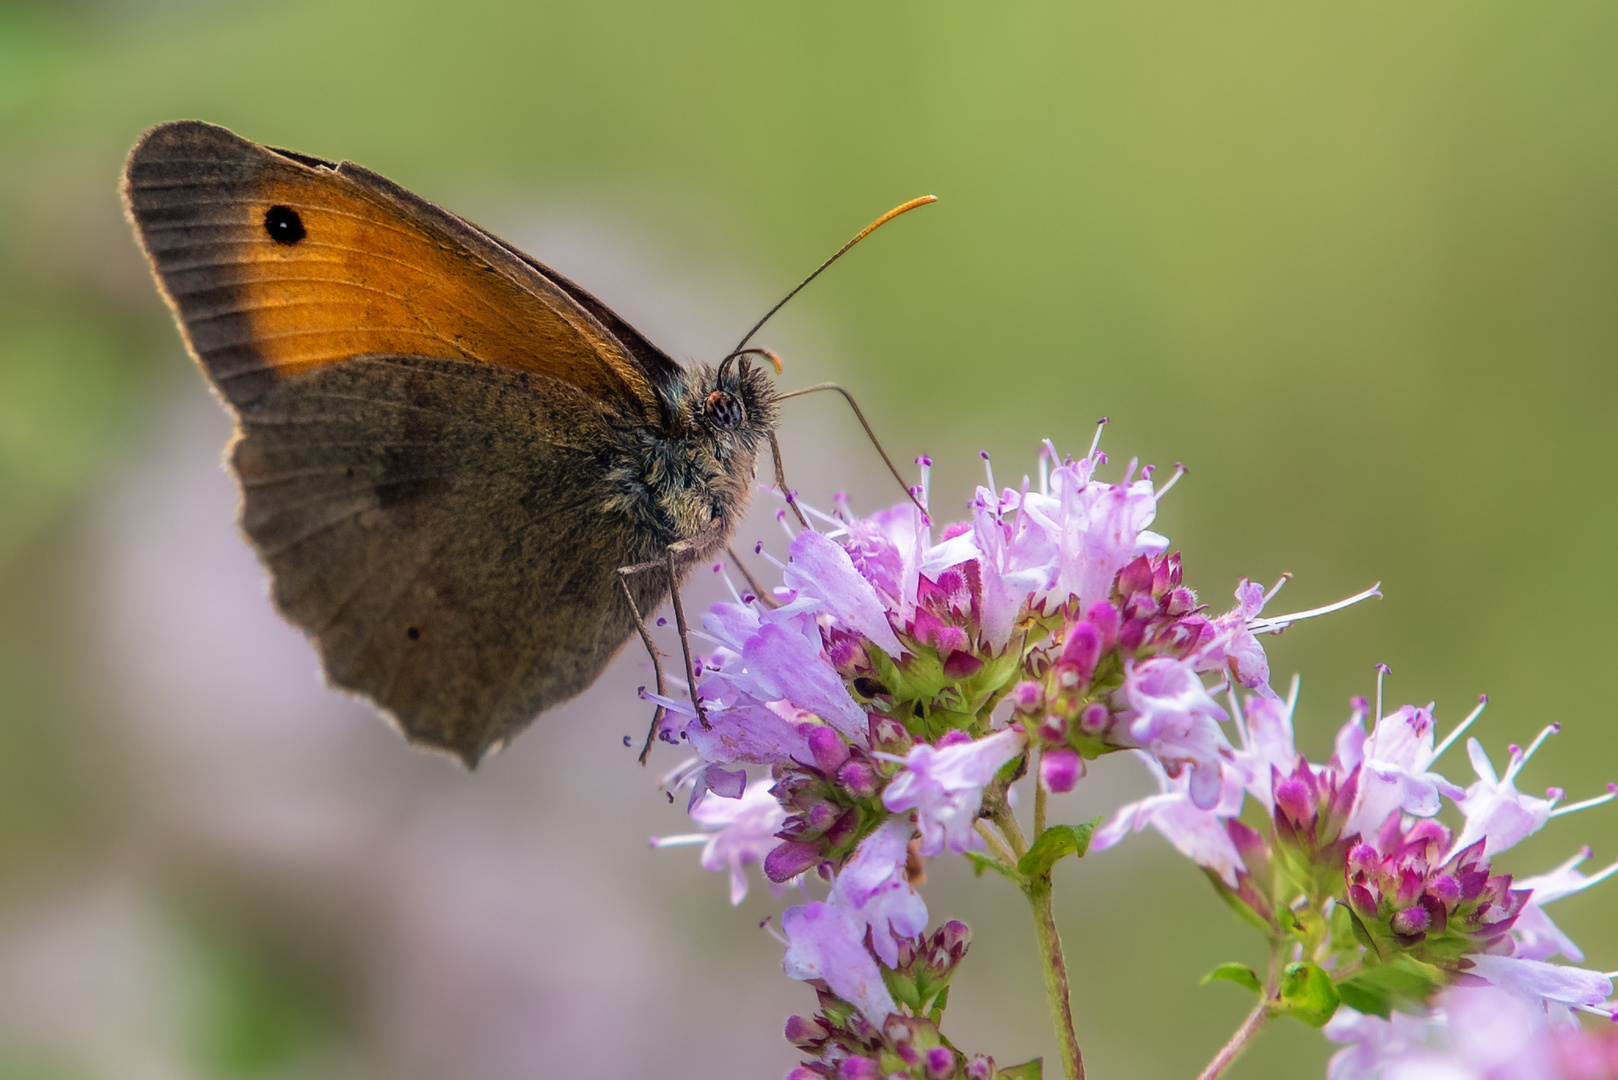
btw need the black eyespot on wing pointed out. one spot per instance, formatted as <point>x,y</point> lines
<point>284,225</point>
<point>413,633</point>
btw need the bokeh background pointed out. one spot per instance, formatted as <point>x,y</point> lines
<point>1354,264</point>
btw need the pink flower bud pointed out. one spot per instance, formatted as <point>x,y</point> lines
<point>940,1062</point>
<point>804,1033</point>
<point>1060,769</point>
<point>1026,696</point>
<point>829,749</point>
<point>858,778</point>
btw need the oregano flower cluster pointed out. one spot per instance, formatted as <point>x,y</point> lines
<point>885,702</point>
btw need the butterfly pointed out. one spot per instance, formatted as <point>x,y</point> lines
<point>447,451</point>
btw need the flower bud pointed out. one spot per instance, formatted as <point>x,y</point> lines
<point>787,860</point>
<point>980,1067</point>
<point>858,1068</point>
<point>1053,729</point>
<point>940,1063</point>
<point>1060,769</point>
<point>858,778</point>
<point>805,1034</point>
<point>829,749</point>
<point>1026,696</point>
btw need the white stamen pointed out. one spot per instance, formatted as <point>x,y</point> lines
<point>1281,622</point>
<point>1460,729</point>
<point>1585,805</point>
<point>834,522</point>
<point>683,840</point>
<point>1179,471</point>
<point>1292,694</point>
<point>681,775</point>
<point>1519,760</point>
<point>1381,672</point>
<point>988,471</point>
<point>1276,588</point>
<point>1096,441</point>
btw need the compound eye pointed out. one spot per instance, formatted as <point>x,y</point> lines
<point>723,410</point>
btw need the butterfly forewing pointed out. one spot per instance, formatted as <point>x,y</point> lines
<point>424,424</point>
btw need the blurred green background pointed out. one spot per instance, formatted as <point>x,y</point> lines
<point>1354,264</point>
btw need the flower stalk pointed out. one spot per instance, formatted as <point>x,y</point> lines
<point>1038,890</point>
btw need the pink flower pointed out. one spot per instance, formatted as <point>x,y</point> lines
<point>1558,983</point>
<point>1200,835</point>
<point>1171,717</point>
<point>1267,743</point>
<point>944,786</point>
<point>821,569</point>
<point>1096,528</point>
<point>1234,646</point>
<point>1537,937</point>
<point>827,941</point>
<point>741,832</point>
<point>1495,810</point>
<point>1394,774</point>
<point>873,884</point>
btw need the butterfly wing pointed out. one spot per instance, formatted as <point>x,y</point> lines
<point>437,528</point>
<point>426,425</point>
<point>276,263</point>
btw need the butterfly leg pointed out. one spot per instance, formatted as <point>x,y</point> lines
<point>657,668</point>
<point>685,641</point>
<point>781,481</point>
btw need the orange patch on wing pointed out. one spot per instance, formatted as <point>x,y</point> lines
<point>363,279</point>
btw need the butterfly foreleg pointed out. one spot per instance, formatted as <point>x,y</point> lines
<point>657,667</point>
<point>676,554</point>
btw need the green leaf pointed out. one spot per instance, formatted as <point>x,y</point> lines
<point>903,988</point>
<point>1307,993</point>
<point>1028,1070</point>
<point>1054,843</point>
<point>935,1012</point>
<point>1381,989</point>
<point>1240,974</point>
<point>981,862</point>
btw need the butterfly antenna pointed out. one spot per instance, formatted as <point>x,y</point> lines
<point>863,233</point>
<point>852,404</point>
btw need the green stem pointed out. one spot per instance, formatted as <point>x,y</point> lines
<point>1039,797</point>
<point>1053,965</point>
<point>1252,1025</point>
<point>1238,1042</point>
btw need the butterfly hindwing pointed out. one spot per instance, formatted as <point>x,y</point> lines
<point>430,524</point>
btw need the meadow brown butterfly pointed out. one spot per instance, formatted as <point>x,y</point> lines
<point>446,450</point>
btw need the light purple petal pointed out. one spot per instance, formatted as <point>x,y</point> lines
<point>1552,982</point>
<point>827,942</point>
<point>821,568</point>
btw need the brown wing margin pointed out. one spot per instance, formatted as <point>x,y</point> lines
<point>369,268</point>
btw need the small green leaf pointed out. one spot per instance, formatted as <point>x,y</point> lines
<point>1054,843</point>
<point>1381,989</point>
<point>903,988</point>
<point>935,1012</point>
<point>1365,998</point>
<point>1307,993</point>
<point>1240,974</point>
<point>981,862</point>
<point>1028,1070</point>
<point>1361,934</point>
